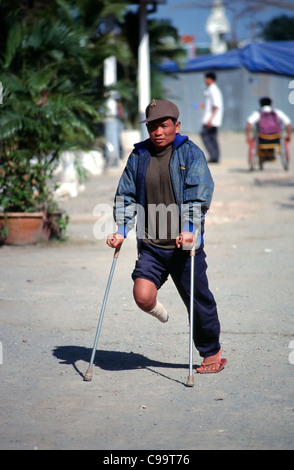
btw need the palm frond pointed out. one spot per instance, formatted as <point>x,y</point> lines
<point>14,39</point>
<point>12,124</point>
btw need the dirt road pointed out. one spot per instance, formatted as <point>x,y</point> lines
<point>50,299</point>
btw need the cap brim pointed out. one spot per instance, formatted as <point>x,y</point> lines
<point>157,118</point>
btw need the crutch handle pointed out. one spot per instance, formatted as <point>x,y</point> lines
<point>117,249</point>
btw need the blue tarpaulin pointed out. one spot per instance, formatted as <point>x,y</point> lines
<point>271,57</point>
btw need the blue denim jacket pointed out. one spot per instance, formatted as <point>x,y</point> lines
<point>191,180</point>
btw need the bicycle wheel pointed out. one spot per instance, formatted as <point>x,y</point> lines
<point>284,155</point>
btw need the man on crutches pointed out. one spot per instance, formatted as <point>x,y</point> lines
<point>167,184</point>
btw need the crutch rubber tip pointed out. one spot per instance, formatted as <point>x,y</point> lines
<point>88,375</point>
<point>190,381</point>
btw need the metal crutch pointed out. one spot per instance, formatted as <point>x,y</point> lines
<point>190,380</point>
<point>88,374</point>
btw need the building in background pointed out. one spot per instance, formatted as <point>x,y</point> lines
<point>217,26</point>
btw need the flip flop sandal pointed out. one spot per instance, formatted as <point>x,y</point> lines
<point>221,364</point>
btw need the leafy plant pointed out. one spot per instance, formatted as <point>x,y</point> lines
<point>51,64</point>
<point>280,28</point>
<point>42,113</point>
<point>164,43</point>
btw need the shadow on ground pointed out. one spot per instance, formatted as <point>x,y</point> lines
<point>112,360</point>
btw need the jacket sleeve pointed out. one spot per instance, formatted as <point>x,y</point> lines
<point>124,210</point>
<point>197,191</point>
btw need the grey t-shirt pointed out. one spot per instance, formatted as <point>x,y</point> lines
<point>162,214</point>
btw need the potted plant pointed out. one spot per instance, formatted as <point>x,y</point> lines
<point>28,211</point>
<point>24,196</point>
<point>54,99</point>
<point>48,106</point>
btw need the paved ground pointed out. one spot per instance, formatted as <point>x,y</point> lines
<point>50,299</point>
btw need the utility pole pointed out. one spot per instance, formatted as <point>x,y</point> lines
<point>144,60</point>
<point>111,125</point>
<point>143,67</point>
<point>111,130</point>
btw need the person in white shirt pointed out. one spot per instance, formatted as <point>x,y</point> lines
<point>213,117</point>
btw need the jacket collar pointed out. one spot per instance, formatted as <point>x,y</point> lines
<point>144,145</point>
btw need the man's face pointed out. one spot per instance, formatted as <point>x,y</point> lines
<point>208,81</point>
<point>162,132</point>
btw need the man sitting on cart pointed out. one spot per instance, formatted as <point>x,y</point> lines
<point>268,122</point>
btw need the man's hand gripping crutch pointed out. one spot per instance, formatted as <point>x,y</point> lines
<point>188,241</point>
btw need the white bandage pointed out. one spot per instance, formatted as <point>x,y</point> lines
<point>159,312</point>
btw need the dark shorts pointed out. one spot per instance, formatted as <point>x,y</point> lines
<point>155,265</point>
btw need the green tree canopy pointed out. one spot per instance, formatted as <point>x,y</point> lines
<point>280,28</point>
<point>164,43</point>
<point>51,69</point>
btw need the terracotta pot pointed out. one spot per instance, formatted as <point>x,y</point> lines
<point>24,228</point>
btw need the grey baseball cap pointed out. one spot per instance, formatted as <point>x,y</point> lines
<point>159,109</point>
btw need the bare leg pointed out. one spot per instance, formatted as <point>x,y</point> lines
<point>145,295</point>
